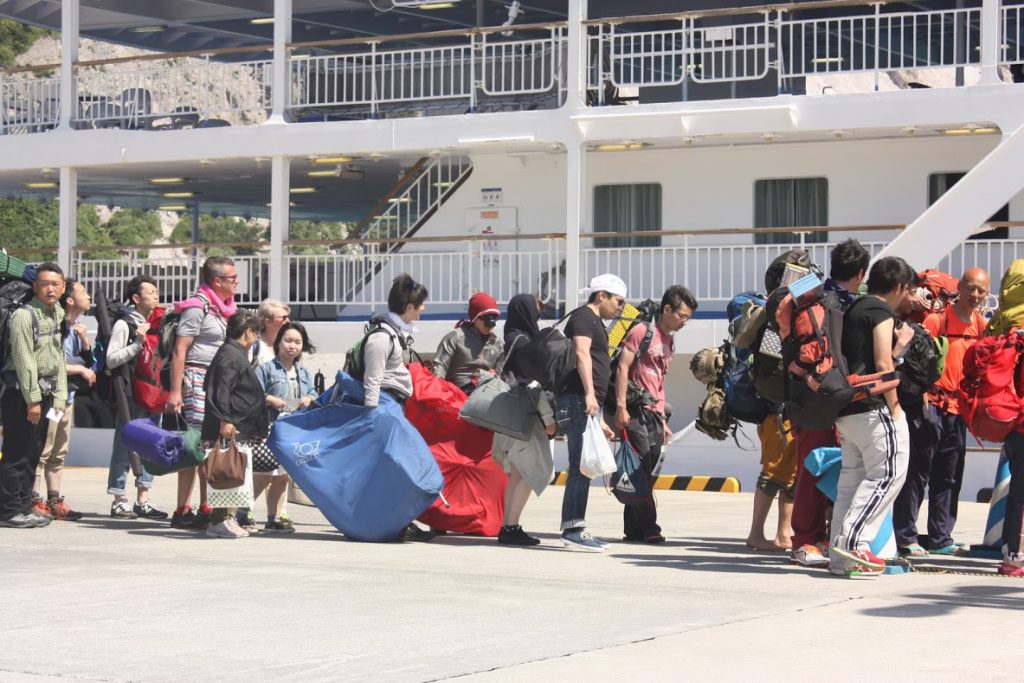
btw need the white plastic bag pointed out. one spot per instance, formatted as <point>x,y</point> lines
<point>597,459</point>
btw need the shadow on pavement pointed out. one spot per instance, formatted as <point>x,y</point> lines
<point>1004,595</point>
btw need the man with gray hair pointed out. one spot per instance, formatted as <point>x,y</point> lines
<point>202,327</point>
<point>580,397</point>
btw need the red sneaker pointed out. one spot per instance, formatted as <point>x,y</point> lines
<point>63,511</point>
<point>860,562</point>
<point>1010,569</point>
<point>41,508</point>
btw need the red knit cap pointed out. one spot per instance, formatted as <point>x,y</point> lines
<point>480,304</point>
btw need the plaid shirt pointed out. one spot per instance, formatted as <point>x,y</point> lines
<point>45,360</point>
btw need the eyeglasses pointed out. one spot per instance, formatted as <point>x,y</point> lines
<point>682,316</point>
<point>233,278</point>
<point>282,317</point>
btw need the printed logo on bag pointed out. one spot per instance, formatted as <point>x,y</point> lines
<point>625,485</point>
<point>306,452</point>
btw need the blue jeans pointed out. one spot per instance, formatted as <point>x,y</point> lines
<point>120,463</point>
<point>571,415</point>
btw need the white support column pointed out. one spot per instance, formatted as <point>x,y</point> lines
<point>282,36</point>
<point>576,69</point>
<point>575,193</point>
<point>68,57</point>
<point>68,232</point>
<point>280,185</point>
<point>990,41</point>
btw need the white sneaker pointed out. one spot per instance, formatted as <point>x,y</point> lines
<point>224,530</point>
<point>236,527</point>
<point>809,556</point>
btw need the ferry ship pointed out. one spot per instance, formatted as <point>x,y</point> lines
<point>527,145</point>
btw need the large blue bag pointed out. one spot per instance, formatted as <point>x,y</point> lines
<point>368,470</point>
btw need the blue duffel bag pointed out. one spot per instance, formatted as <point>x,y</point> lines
<point>368,470</point>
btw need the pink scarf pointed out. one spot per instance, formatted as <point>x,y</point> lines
<point>225,309</point>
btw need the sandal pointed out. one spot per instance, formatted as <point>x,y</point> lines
<point>913,550</point>
<point>952,549</point>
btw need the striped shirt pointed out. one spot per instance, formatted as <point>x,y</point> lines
<point>45,360</point>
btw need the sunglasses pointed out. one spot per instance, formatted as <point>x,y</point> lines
<point>490,320</point>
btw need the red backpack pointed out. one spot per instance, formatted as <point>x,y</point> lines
<point>818,383</point>
<point>939,288</point>
<point>146,387</point>
<point>989,396</point>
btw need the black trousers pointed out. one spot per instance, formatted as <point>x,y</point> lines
<point>646,435</point>
<point>1013,524</point>
<point>23,445</point>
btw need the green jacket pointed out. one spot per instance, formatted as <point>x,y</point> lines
<point>45,359</point>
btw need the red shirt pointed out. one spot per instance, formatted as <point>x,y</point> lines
<point>961,337</point>
<point>650,369</point>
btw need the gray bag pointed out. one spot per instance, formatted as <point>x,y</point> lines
<point>497,407</point>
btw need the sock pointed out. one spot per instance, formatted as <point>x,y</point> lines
<point>180,510</point>
<point>205,510</point>
<point>52,495</point>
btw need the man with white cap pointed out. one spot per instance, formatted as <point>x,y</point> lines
<point>580,397</point>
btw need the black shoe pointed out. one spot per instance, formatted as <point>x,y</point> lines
<point>147,511</point>
<point>281,525</point>
<point>414,533</point>
<point>514,535</point>
<point>184,520</point>
<point>203,519</point>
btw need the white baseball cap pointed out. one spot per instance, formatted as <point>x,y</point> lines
<point>612,284</point>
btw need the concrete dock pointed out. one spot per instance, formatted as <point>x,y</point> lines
<point>113,600</point>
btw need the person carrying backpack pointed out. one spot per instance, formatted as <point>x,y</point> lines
<point>640,376</point>
<point>873,432</point>
<point>128,337</point>
<point>848,267</point>
<point>940,468</point>
<point>201,328</point>
<point>35,391</point>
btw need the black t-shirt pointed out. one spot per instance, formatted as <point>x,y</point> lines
<point>585,323</point>
<point>859,324</point>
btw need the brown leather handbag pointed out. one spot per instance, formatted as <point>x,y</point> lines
<point>225,465</point>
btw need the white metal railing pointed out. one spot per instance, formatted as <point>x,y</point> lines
<point>28,104</point>
<point>189,93</point>
<point>483,64</point>
<point>452,271</point>
<point>176,275</point>
<point>1011,30</point>
<point>674,50</point>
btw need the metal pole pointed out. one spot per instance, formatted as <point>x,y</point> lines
<point>277,271</point>
<point>68,56</point>
<point>282,36</point>
<point>68,231</point>
<point>990,41</point>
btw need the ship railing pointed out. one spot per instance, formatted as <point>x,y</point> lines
<point>29,103</point>
<point>173,93</point>
<point>368,74</point>
<point>715,264</point>
<point>727,46</point>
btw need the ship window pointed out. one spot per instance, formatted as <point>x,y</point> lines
<point>790,202</point>
<point>624,209</point>
<point>939,183</point>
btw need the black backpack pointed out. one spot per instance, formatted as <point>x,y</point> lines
<point>169,339</point>
<point>355,359</point>
<point>549,357</point>
<point>919,369</point>
<point>14,295</point>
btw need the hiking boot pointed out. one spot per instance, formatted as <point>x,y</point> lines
<point>203,518</point>
<point>147,511</point>
<point>580,539</point>
<point>414,533</point>
<point>120,510</point>
<point>861,563</point>
<point>183,519</point>
<point>227,529</point>
<point>245,519</point>
<point>281,525</point>
<point>62,511</point>
<point>1007,568</point>
<point>40,507</point>
<point>809,556</point>
<point>514,535</point>
<point>20,522</point>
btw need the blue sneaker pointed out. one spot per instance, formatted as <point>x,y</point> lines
<point>580,539</point>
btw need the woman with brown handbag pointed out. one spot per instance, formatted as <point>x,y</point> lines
<point>235,418</point>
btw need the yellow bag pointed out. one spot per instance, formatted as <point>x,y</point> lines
<point>1010,313</point>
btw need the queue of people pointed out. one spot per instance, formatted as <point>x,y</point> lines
<point>233,372</point>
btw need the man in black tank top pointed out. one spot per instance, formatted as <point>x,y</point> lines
<point>872,432</point>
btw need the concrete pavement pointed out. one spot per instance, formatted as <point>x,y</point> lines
<point>112,600</point>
